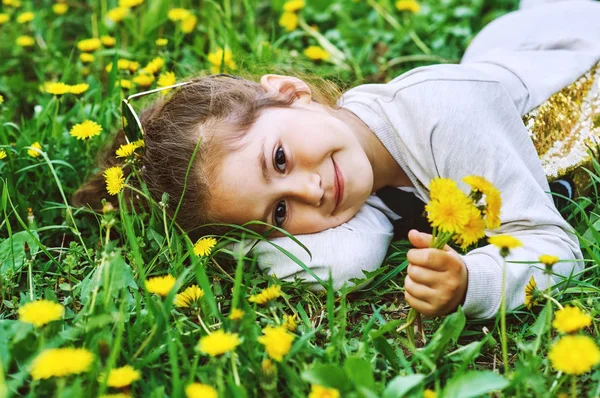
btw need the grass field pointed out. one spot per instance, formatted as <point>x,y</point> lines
<point>145,340</point>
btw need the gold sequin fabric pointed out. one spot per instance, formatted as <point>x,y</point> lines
<point>566,128</point>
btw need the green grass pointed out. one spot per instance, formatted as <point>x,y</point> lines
<point>95,264</point>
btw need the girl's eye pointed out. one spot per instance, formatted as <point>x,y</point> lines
<point>280,159</point>
<point>280,213</point>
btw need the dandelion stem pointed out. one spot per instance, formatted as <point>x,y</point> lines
<point>573,386</point>
<point>559,305</point>
<point>146,342</point>
<point>503,318</point>
<point>236,376</point>
<point>206,329</point>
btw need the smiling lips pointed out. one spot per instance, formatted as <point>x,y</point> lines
<point>338,189</point>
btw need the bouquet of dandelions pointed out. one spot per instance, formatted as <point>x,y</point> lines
<point>461,218</point>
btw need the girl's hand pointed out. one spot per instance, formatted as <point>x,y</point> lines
<point>437,279</point>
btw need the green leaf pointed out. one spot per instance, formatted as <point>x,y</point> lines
<point>448,333</point>
<point>401,385</point>
<point>328,376</point>
<point>359,370</point>
<point>12,252</point>
<point>474,384</point>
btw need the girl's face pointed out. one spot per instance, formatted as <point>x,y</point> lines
<point>300,168</point>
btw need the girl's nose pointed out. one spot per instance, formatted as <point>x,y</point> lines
<point>307,187</point>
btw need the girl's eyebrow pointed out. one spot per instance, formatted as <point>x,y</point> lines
<point>262,161</point>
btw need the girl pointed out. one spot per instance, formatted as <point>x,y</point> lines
<point>280,152</point>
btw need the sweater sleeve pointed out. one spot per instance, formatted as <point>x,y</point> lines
<point>357,245</point>
<point>482,134</point>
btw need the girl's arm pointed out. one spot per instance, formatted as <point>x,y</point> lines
<point>482,134</point>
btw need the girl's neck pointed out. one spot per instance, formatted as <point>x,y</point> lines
<point>386,171</point>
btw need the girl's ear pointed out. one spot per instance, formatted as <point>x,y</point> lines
<point>287,85</point>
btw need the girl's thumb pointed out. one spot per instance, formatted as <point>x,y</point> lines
<point>419,239</point>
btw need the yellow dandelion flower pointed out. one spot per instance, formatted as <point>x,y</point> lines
<point>60,362</point>
<point>60,8</point>
<point>574,355</point>
<point>160,285</point>
<point>143,80</point>
<point>4,18</point>
<point>220,56</point>
<point>289,21</point>
<point>478,183</point>
<point>178,14</point>
<point>89,45</point>
<point>56,88</point>
<point>12,3</point>
<point>1,99</point>
<point>318,391</point>
<point>108,41</point>
<point>122,377</point>
<point>133,66</point>
<point>32,152</point>
<point>3,154</point>
<point>505,243</point>
<point>189,297</point>
<point>408,5</point>
<point>125,84</point>
<point>154,66</point>
<point>115,181</point>
<point>86,58</point>
<point>204,246</point>
<point>277,341</point>
<point>79,88</point>
<point>41,312</point>
<point>166,79</point>
<point>130,3</point>
<point>472,231</point>
<point>161,42</point>
<point>117,14</point>
<point>127,150</point>
<point>492,209</point>
<point>440,188</point>
<point>570,319</point>
<point>450,214</point>
<point>198,390</point>
<point>317,53</point>
<point>429,394</point>
<point>86,130</point>
<point>25,41</point>
<point>267,367</point>
<point>236,314</point>
<point>548,260</point>
<point>25,17</point>
<point>289,322</point>
<point>218,343</point>
<point>122,64</point>
<point>293,5</point>
<point>266,295</point>
<point>188,24</point>
<point>532,294</point>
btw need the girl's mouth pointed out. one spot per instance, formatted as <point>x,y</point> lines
<point>338,185</point>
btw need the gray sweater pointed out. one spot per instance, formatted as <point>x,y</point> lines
<point>456,120</point>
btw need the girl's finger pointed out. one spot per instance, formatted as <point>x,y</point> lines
<point>419,291</point>
<point>422,275</point>
<point>419,305</point>
<point>422,239</point>
<point>434,259</point>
